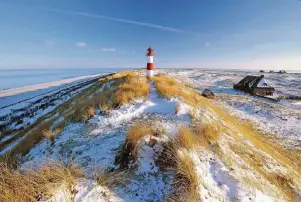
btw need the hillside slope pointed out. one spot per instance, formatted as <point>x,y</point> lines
<point>129,138</point>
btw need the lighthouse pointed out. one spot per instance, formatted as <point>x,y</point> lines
<point>150,62</point>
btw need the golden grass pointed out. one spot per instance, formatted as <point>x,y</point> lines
<point>200,135</point>
<point>91,111</point>
<point>160,131</point>
<point>111,179</point>
<point>168,87</point>
<point>243,134</point>
<point>284,183</point>
<point>131,88</point>
<point>234,125</point>
<point>32,185</point>
<point>33,135</point>
<point>208,134</point>
<point>104,107</point>
<point>88,114</point>
<point>133,136</point>
<point>136,132</point>
<point>50,134</point>
<point>185,183</point>
<point>186,138</point>
<point>80,108</point>
<point>256,161</point>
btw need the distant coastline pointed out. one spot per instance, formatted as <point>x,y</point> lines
<point>18,78</point>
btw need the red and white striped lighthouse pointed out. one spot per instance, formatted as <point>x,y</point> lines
<point>150,62</point>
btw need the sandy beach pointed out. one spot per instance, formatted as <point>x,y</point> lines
<point>16,91</point>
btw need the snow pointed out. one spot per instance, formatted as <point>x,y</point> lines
<point>95,145</point>
<point>90,192</point>
<point>263,83</point>
<point>154,104</point>
<point>217,183</point>
<point>87,191</point>
<point>281,118</point>
<point>296,103</point>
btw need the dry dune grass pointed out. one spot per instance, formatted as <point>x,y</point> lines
<point>257,162</point>
<point>88,114</point>
<point>111,179</point>
<point>263,148</point>
<point>32,185</point>
<point>200,135</point>
<point>208,134</point>
<point>82,107</point>
<point>173,157</point>
<point>33,135</point>
<point>185,182</point>
<point>137,131</point>
<point>168,87</point>
<point>50,134</point>
<point>187,179</point>
<point>133,136</point>
<point>132,87</point>
<point>186,138</point>
<point>126,87</point>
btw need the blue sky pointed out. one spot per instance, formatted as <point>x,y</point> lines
<point>235,34</point>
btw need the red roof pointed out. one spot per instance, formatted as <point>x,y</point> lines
<point>150,51</point>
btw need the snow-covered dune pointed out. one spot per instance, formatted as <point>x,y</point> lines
<point>281,118</point>
<point>163,141</point>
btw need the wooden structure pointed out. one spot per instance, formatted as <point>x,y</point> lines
<point>255,85</point>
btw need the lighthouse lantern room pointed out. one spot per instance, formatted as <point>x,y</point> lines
<point>150,62</point>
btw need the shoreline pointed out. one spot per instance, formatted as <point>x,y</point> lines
<point>25,89</point>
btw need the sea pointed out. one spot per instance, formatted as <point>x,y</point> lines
<point>15,78</point>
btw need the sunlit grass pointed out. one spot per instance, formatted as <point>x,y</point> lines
<point>31,185</point>
<point>239,132</point>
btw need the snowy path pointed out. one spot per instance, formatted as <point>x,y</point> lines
<point>94,146</point>
<point>154,104</point>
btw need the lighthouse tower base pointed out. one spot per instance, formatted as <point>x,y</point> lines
<point>150,73</point>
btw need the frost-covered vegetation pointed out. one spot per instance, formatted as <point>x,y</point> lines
<point>130,138</point>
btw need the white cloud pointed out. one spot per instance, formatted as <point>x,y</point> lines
<point>108,49</point>
<point>81,44</point>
